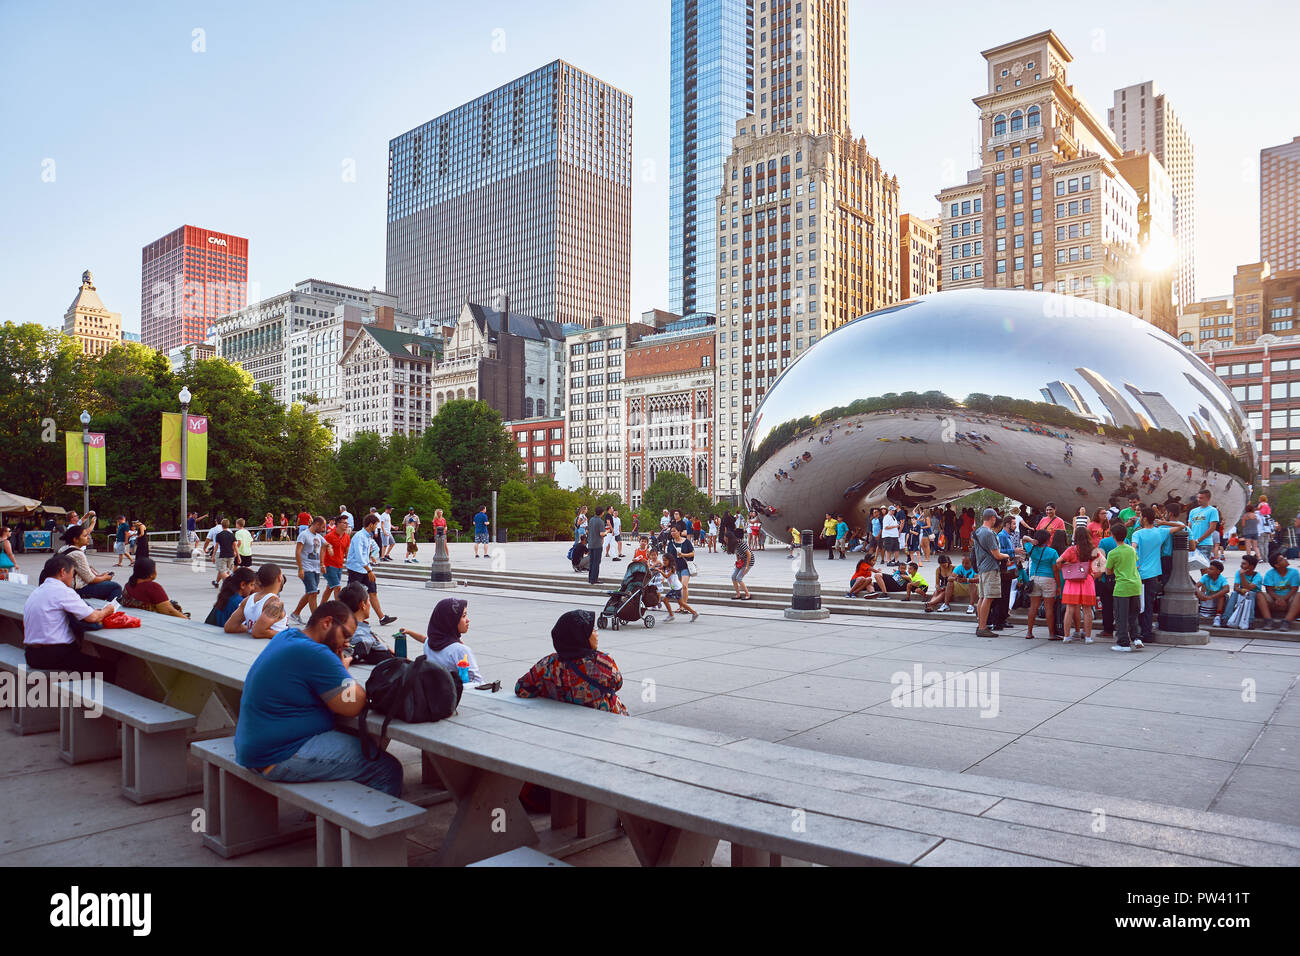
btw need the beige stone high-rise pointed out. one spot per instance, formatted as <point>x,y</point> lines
<point>1279,206</point>
<point>94,327</point>
<point>918,256</point>
<point>1143,120</point>
<point>1047,208</point>
<point>807,218</point>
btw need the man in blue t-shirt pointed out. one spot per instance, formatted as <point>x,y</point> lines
<point>293,692</point>
<point>1213,592</point>
<point>1203,522</point>
<point>1248,587</point>
<point>1281,601</point>
<point>1149,540</point>
<point>481,531</point>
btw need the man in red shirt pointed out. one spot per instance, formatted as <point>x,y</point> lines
<point>336,549</point>
<point>304,519</point>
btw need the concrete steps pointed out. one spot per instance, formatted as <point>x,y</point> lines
<point>710,594</point>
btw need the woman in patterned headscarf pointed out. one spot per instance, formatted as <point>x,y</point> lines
<point>577,673</point>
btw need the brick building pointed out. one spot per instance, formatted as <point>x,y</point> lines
<point>668,387</point>
<point>1265,379</point>
<point>540,442</point>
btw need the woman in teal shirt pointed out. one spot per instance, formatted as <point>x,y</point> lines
<point>1041,560</point>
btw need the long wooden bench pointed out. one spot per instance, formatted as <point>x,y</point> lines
<point>25,720</point>
<point>677,792</point>
<point>153,740</point>
<point>355,824</point>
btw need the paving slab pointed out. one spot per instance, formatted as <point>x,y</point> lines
<point>1149,730</point>
<point>1278,746</point>
<point>1013,715</point>
<point>711,676</point>
<point>819,690</point>
<point>1265,792</point>
<point>1135,694</point>
<point>894,740</point>
<point>761,719</point>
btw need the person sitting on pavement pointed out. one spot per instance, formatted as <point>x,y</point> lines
<point>92,583</point>
<point>915,582</point>
<point>239,585</point>
<point>942,575</point>
<point>261,614</point>
<point>1280,602</point>
<point>48,639</point>
<point>295,690</point>
<point>577,673</point>
<point>144,593</point>
<point>866,580</point>
<point>964,582</point>
<point>444,644</point>
<point>1212,592</point>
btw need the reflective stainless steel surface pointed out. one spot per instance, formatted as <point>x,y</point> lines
<point>927,400</point>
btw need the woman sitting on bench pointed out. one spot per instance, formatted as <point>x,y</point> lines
<point>144,593</point>
<point>577,673</point>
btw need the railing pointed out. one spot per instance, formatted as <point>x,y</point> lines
<point>1029,132</point>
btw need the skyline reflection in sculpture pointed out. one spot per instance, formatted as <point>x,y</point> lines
<point>1034,395</point>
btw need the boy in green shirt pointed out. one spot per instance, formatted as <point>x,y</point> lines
<point>1121,563</point>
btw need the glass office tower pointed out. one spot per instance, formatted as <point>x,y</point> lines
<point>524,193</point>
<point>712,88</point>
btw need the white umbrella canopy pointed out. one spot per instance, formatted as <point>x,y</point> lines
<point>12,502</point>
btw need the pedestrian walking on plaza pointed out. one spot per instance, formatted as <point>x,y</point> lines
<point>307,556</point>
<point>481,533</point>
<point>223,551</point>
<point>361,552</point>
<point>412,522</point>
<point>243,544</point>
<point>681,552</point>
<point>1122,565</point>
<point>336,549</point>
<point>119,542</point>
<point>615,534</point>
<point>7,562</point>
<point>579,524</point>
<point>596,544</point>
<point>736,547</point>
<point>988,556</point>
<point>387,541</point>
<point>268,527</point>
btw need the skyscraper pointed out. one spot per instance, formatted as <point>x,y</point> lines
<point>712,88</point>
<point>524,192</point>
<point>95,328</point>
<point>188,278</point>
<point>917,256</point>
<point>1279,206</point>
<point>1047,208</point>
<point>807,218</point>
<point>1142,120</point>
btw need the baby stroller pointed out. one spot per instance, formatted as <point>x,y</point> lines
<point>632,600</point>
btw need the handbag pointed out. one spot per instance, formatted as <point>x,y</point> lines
<point>691,568</point>
<point>1076,570</point>
<point>120,619</point>
<point>1242,613</point>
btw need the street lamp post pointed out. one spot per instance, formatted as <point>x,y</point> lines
<point>85,463</point>
<point>183,542</point>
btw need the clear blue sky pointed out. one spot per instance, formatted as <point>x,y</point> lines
<point>250,137</point>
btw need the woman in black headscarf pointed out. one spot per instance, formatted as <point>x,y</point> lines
<point>443,644</point>
<point>577,673</point>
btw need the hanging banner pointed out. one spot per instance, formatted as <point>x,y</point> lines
<point>76,459</point>
<point>171,447</point>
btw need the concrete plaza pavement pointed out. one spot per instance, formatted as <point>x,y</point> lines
<point>1207,728</point>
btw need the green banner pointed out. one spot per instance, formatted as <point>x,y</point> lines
<point>197,439</point>
<point>76,459</point>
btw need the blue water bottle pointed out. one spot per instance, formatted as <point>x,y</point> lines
<point>399,643</point>
<point>462,667</point>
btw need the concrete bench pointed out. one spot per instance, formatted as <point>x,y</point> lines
<point>355,824</point>
<point>25,719</point>
<point>521,856</point>
<point>153,740</point>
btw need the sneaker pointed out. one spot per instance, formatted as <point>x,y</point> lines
<point>1218,621</point>
<point>387,619</point>
<point>617,559</point>
<point>295,618</point>
<point>1286,626</point>
<point>985,632</point>
<point>944,607</point>
<point>848,594</point>
<point>1088,640</point>
<point>1138,645</point>
<point>970,608</point>
<point>1069,640</point>
<point>1122,648</point>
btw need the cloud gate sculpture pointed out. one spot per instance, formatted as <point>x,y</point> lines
<point>1038,396</point>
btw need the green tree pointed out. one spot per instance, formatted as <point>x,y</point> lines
<point>517,509</point>
<point>409,490</point>
<point>473,454</point>
<point>674,491</point>
<point>555,508</point>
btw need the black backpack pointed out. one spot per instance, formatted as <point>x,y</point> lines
<point>417,692</point>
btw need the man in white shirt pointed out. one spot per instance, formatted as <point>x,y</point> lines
<point>48,639</point>
<point>344,513</point>
<point>665,521</point>
<point>889,535</point>
<point>615,532</point>
<point>211,542</point>
<point>386,532</point>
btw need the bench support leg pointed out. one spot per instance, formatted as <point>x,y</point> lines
<point>155,766</point>
<point>489,817</point>
<point>748,856</point>
<point>657,844</point>
<point>33,720</point>
<point>387,850</point>
<point>241,818</point>
<point>83,738</point>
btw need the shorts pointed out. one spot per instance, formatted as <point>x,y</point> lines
<point>890,544</point>
<point>1045,587</point>
<point>738,574</point>
<point>388,541</point>
<point>1250,537</point>
<point>480,537</point>
<point>245,560</point>
<point>961,589</point>
<point>311,581</point>
<point>333,577</point>
<point>361,576</point>
<point>119,547</point>
<point>991,584</point>
<point>225,565</point>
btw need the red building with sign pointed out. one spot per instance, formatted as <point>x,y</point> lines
<point>188,278</point>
